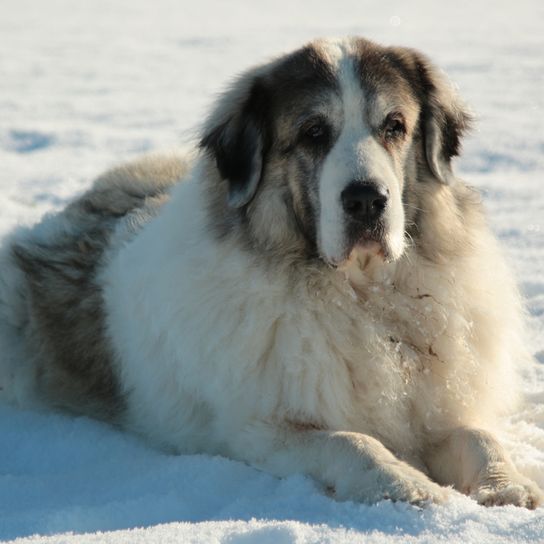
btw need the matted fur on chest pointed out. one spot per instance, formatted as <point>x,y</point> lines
<point>342,358</point>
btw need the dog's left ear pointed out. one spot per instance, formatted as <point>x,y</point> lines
<point>235,136</point>
<point>444,117</point>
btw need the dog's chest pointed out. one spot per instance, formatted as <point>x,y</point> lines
<point>373,348</point>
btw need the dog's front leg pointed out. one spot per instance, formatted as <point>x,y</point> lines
<point>352,466</point>
<point>474,462</point>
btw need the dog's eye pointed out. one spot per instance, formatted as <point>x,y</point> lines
<point>394,127</point>
<point>315,133</point>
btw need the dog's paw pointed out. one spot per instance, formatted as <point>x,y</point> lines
<point>370,473</point>
<point>509,487</point>
<point>411,486</point>
<point>526,495</point>
<point>397,482</point>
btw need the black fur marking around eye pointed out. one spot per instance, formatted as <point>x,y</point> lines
<point>443,119</point>
<point>241,141</point>
<point>315,133</point>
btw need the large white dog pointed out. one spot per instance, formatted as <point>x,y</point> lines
<point>318,294</point>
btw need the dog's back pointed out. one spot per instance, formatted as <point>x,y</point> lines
<point>50,300</point>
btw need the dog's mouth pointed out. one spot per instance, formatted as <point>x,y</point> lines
<point>362,260</point>
<point>363,253</point>
<point>363,263</point>
<point>368,247</point>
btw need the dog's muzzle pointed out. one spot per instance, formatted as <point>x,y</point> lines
<point>364,205</point>
<point>364,202</point>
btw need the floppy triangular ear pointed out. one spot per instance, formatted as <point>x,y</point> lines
<point>444,119</point>
<point>439,163</point>
<point>235,137</point>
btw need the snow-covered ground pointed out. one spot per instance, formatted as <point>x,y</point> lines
<point>86,84</point>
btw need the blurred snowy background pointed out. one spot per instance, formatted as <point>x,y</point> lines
<point>85,84</point>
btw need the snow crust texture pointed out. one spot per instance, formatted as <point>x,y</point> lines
<point>85,85</point>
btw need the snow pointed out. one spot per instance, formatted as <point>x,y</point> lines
<point>85,85</point>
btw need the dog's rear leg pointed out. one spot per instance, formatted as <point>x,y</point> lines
<point>474,462</point>
<point>353,466</point>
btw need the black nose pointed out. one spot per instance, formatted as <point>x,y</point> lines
<point>364,201</point>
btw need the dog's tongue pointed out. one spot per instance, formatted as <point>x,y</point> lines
<point>361,262</point>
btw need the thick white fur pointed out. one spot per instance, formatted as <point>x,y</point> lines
<point>297,368</point>
<point>222,355</point>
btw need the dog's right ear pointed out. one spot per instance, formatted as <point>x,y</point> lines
<point>236,138</point>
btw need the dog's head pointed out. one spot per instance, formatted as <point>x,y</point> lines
<point>321,148</point>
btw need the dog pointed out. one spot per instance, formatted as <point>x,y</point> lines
<point>312,290</point>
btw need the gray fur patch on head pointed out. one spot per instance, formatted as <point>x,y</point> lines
<point>258,187</point>
<point>276,189</point>
<point>443,119</point>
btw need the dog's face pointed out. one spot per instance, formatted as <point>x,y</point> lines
<point>324,145</point>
